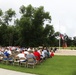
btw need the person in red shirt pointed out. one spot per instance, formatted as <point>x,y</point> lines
<point>51,53</point>
<point>37,55</point>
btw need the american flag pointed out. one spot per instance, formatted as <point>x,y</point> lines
<point>62,36</point>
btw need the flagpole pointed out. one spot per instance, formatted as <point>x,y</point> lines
<point>59,42</point>
<point>59,36</point>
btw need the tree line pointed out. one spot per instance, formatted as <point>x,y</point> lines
<point>33,28</point>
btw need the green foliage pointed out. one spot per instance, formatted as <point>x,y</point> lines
<point>8,16</point>
<point>22,9</point>
<point>31,26</point>
<point>30,29</point>
<point>1,13</point>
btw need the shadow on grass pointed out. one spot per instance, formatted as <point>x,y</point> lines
<point>74,73</point>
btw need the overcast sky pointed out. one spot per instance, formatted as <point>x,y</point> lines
<point>63,12</point>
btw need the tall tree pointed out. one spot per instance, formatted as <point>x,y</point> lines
<point>8,16</point>
<point>31,25</point>
<point>1,13</point>
<point>74,41</point>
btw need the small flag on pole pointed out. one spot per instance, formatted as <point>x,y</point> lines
<point>62,36</point>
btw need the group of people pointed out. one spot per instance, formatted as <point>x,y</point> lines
<point>38,54</point>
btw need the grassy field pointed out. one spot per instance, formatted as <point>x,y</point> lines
<point>58,65</point>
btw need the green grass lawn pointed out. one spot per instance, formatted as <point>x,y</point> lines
<point>58,65</point>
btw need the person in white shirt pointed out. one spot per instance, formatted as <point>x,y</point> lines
<point>21,55</point>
